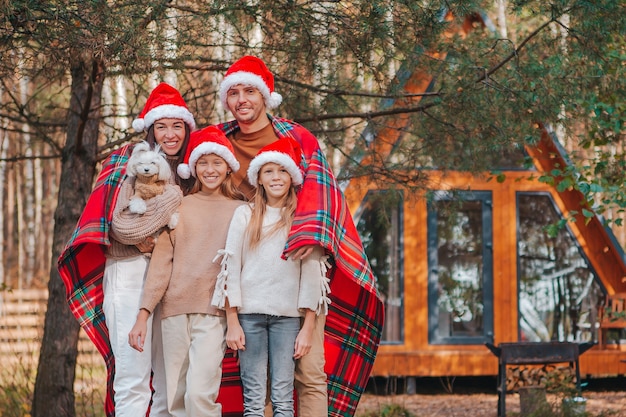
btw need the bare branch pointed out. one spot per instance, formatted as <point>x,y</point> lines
<point>368,115</point>
<point>29,158</point>
<point>515,52</point>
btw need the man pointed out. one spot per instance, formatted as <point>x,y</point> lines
<point>348,336</point>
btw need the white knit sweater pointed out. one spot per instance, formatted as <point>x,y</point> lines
<point>259,281</point>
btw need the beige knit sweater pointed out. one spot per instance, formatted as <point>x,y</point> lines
<point>182,274</point>
<point>129,229</point>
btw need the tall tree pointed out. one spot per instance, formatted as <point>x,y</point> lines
<point>54,386</point>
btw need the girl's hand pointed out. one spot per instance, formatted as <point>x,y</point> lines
<point>235,338</point>
<point>305,335</point>
<point>137,335</point>
<point>303,343</point>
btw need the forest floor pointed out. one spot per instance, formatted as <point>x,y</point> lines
<point>478,398</point>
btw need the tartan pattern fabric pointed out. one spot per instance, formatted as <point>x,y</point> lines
<point>355,318</point>
<point>231,391</point>
<point>81,266</point>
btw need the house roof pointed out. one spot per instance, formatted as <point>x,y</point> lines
<point>603,250</point>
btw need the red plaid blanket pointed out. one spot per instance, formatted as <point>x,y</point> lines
<point>355,318</point>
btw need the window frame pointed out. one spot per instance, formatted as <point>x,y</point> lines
<point>486,199</point>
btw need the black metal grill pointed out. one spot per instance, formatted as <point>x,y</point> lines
<point>534,353</point>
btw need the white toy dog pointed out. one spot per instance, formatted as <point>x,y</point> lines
<point>152,173</point>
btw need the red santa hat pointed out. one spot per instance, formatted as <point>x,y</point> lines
<point>250,70</point>
<point>285,152</point>
<point>203,142</point>
<point>164,102</point>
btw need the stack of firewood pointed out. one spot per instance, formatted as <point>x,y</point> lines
<point>551,377</point>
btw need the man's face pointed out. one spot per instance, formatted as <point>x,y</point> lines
<point>245,103</point>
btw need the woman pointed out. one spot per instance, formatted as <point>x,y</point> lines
<point>93,293</point>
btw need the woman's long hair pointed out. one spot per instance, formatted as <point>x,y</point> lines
<point>186,185</point>
<point>255,227</point>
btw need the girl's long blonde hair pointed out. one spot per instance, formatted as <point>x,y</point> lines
<point>255,227</point>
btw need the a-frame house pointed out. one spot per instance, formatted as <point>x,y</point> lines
<point>474,263</point>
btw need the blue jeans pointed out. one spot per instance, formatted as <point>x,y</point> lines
<point>269,340</point>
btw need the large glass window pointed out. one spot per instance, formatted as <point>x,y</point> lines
<point>558,291</point>
<point>460,268</point>
<point>379,225</point>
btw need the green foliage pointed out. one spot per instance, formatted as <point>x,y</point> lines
<point>16,387</point>
<point>340,65</point>
<point>17,380</point>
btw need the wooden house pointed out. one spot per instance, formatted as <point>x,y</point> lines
<point>473,263</point>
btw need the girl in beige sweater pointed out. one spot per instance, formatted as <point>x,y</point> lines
<point>182,278</point>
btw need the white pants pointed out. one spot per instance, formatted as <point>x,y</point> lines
<point>159,398</point>
<point>193,354</point>
<point>122,285</point>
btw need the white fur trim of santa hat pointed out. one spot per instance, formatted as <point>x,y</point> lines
<point>276,157</point>
<point>207,148</point>
<point>169,111</point>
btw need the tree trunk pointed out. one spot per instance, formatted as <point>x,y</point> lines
<point>26,188</point>
<point>4,144</point>
<point>54,386</point>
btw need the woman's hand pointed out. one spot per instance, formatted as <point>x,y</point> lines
<point>147,246</point>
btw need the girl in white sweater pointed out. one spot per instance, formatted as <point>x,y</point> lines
<point>264,295</point>
<point>182,278</point>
